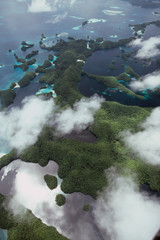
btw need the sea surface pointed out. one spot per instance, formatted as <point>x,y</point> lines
<point>108,19</point>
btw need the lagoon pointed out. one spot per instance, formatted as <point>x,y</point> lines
<point>26,182</point>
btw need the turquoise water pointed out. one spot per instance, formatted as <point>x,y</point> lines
<point>3,234</point>
<point>47,89</point>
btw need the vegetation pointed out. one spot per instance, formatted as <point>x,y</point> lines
<point>6,159</point>
<point>32,54</point>
<point>7,97</point>
<point>131,72</point>
<point>112,82</point>
<point>30,62</point>
<point>124,77</point>
<point>81,164</point>
<point>60,199</point>
<point>27,227</point>
<point>46,64</point>
<point>25,81</point>
<point>51,181</point>
<point>50,57</point>
<point>48,78</point>
<point>86,207</point>
<point>112,67</point>
<point>12,85</point>
<point>99,40</point>
<point>66,85</point>
<point>24,66</point>
<point>94,45</point>
<point>142,26</point>
<point>43,68</point>
<point>26,45</point>
<point>21,60</point>
<point>66,59</point>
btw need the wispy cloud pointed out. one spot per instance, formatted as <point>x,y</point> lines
<point>148,48</point>
<point>123,213</point>
<point>146,143</point>
<point>150,81</point>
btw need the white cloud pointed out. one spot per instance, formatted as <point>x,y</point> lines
<point>146,143</point>
<point>21,127</point>
<point>78,117</point>
<point>148,48</point>
<point>57,19</point>
<point>150,81</point>
<point>49,5</point>
<point>123,213</point>
<point>39,6</point>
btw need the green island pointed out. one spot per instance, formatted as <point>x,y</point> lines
<point>86,174</point>
<point>112,82</point>
<point>60,200</point>
<point>7,97</point>
<point>142,27</point>
<point>25,81</point>
<point>51,181</point>
<point>86,207</point>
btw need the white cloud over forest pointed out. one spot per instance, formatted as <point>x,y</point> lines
<point>123,213</point>
<point>147,48</point>
<point>78,117</point>
<point>145,143</point>
<point>150,81</point>
<point>22,126</point>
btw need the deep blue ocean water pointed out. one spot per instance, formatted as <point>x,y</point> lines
<point>100,61</point>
